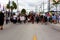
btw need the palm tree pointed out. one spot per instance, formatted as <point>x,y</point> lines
<point>56,3</point>
<point>13,6</point>
<point>8,7</point>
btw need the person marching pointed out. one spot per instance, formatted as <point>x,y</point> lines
<point>1,20</point>
<point>22,18</point>
<point>37,18</point>
<point>14,19</point>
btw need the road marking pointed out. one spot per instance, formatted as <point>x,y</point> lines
<point>34,37</point>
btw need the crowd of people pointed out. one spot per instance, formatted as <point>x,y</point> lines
<point>30,18</point>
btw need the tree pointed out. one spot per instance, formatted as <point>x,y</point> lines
<point>13,6</point>
<point>23,11</point>
<point>8,5</point>
<point>56,3</point>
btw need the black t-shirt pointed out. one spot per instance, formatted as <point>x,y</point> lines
<point>1,16</point>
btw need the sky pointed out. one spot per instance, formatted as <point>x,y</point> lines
<point>28,4</point>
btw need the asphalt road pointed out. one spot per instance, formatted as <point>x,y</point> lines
<point>28,30</point>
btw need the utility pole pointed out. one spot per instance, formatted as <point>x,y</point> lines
<point>17,6</point>
<point>36,8</point>
<point>9,10</point>
<point>3,8</point>
<point>48,5</point>
<point>40,8</point>
<point>43,6</point>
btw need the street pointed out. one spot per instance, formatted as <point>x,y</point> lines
<point>28,30</point>
<point>30,19</point>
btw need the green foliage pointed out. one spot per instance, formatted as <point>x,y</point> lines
<point>54,2</point>
<point>14,5</point>
<point>23,11</point>
<point>8,5</point>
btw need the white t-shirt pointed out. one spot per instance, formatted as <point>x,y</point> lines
<point>14,17</point>
<point>22,18</point>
